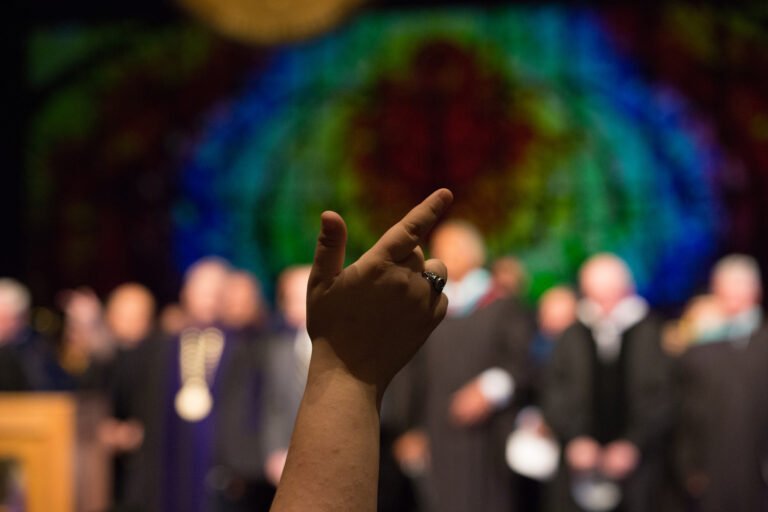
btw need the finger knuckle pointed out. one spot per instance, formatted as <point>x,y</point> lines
<point>412,231</point>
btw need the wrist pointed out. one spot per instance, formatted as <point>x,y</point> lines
<point>327,369</point>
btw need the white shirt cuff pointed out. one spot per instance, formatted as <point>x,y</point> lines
<point>497,386</point>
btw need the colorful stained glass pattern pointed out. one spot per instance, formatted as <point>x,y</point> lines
<point>555,145</point>
<point>563,131</point>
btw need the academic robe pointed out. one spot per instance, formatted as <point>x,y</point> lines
<point>12,376</point>
<point>215,464</point>
<point>467,468</point>
<point>629,399</point>
<point>723,434</point>
<point>397,491</point>
<point>131,384</point>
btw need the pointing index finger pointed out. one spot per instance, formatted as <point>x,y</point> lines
<point>402,238</point>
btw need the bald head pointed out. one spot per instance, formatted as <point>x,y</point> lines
<point>292,295</point>
<point>736,283</point>
<point>606,280</point>
<point>460,246</point>
<point>14,308</point>
<point>557,310</point>
<point>129,313</point>
<point>203,289</point>
<point>242,305</point>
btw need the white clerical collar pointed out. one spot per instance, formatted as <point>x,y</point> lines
<point>464,295</point>
<point>608,328</point>
<point>740,327</point>
<point>627,312</point>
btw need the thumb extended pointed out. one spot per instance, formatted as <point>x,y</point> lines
<point>331,247</point>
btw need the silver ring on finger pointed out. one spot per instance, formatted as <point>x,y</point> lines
<point>437,281</point>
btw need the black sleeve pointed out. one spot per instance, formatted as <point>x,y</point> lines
<point>516,331</point>
<point>689,448</point>
<point>12,376</point>
<point>652,394</point>
<point>403,405</point>
<point>563,404</point>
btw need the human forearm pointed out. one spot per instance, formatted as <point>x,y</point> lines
<point>333,462</point>
<point>366,321</point>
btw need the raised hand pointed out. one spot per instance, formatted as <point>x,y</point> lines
<point>371,317</point>
<point>365,321</point>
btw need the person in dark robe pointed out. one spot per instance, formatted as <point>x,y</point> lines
<point>508,276</point>
<point>556,313</point>
<point>12,376</point>
<point>122,378</point>
<point>469,374</point>
<point>608,397</point>
<point>14,303</point>
<point>212,425</point>
<point>86,350</point>
<point>531,449</point>
<point>244,314</point>
<point>722,451</point>
<point>402,449</point>
<point>28,360</point>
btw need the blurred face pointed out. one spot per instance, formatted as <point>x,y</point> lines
<point>241,305</point>
<point>203,292</point>
<point>508,276</point>
<point>129,314</point>
<point>293,296</point>
<point>606,282</point>
<point>459,249</point>
<point>13,310</point>
<point>173,319</point>
<point>557,311</point>
<point>737,290</point>
<point>10,324</point>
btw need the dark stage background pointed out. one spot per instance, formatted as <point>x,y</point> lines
<point>138,139</point>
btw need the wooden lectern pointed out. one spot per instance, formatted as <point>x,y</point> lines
<point>52,438</point>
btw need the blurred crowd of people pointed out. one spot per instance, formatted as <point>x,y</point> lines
<point>203,396</point>
<point>592,403</point>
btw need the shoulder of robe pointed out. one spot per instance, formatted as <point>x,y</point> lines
<point>574,337</point>
<point>761,335</point>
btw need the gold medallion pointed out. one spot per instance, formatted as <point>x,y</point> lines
<point>193,401</point>
<point>199,356</point>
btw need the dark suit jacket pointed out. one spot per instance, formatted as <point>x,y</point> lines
<point>12,376</point>
<point>647,403</point>
<point>723,431</point>
<point>468,470</point>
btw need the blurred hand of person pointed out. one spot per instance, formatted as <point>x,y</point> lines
<point>121,436</point>
<point>696,483</point>
<point>620,458</point>
<point>411,450</point>
<point>582,454</point>
<point>273,468</point>
<point>531,418</point>
<point>369,319</point>
<point>469,406</point>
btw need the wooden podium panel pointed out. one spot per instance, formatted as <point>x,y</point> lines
<point>39,431</point>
